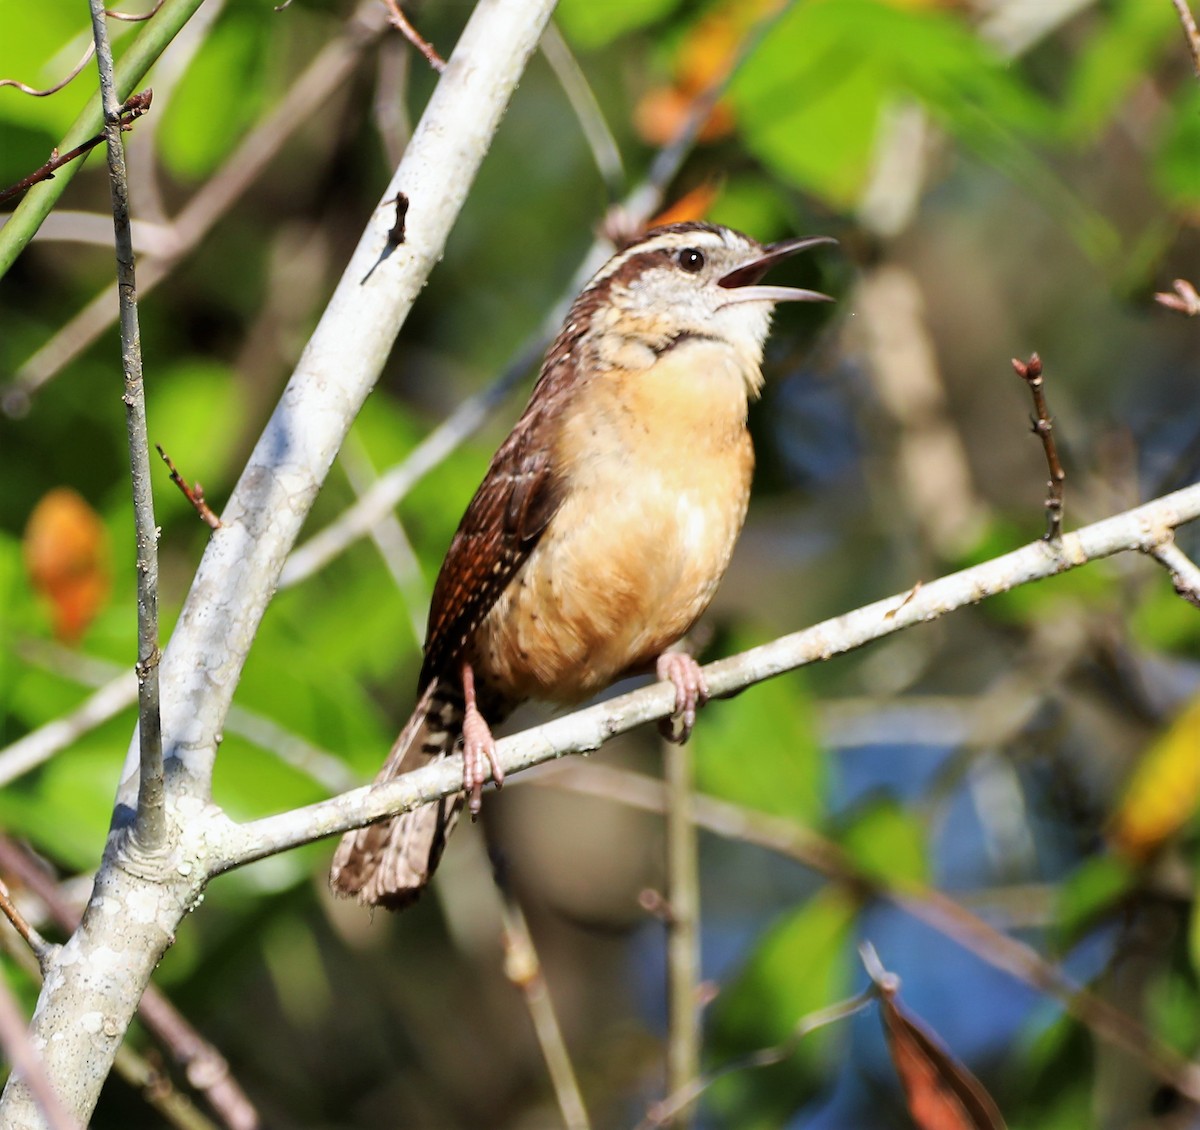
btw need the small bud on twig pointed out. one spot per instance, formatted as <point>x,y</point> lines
<point>1031,373</point>
<point>194,495</point>
<point>1185,299</point>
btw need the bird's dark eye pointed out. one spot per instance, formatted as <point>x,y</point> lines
<point>691,259</point>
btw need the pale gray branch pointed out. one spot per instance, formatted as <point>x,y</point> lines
<point>137,904</point>
<point>1185,573</point>
<point>25,1061</point>
<point>1140,529</point>
<point>238,574</point>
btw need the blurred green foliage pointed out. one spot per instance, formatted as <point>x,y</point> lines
<point>1051,184</point>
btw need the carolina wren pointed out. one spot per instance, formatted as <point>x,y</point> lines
<point>603,525</point>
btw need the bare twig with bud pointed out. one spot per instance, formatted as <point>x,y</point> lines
<point>1043,426</point>
<point>1184,298</point>
<point>133,108</point>
<point>401,23</point>
<point>194,494</point>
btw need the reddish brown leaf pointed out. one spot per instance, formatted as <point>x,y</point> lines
<point>942,1094</point>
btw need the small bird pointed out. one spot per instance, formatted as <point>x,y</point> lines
<point>602,527</point>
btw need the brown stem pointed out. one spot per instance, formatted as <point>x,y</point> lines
<point>1043,426</point>
<point>401,23</point>
<point>1191,33</point>
<point>133,109</point>
<point>194,495</point>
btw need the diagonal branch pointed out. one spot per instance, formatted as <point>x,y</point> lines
<point>135,910</point>
<point>238,574</point>
<point>1140,529</point>
<point>1185,573</point>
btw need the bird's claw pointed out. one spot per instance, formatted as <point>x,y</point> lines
<point>691,692</point>
<point>479,749</point>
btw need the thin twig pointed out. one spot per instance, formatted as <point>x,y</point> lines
<point>136,60</point>
<point>401,23</point>
<point>376,503</point>
<point>524,969</point>
<point>683,925</point>
<point>937,910</point>
<point>1184,298</point>
<point>390,538</point>
<point>156,1088</point>
<point>134,17</point>
<point>38,746</point>
<point>668,1110</point>
<point>159,1092</point>
<point>647,198</point>
<point>117,691</point>
<point>587,110</point>
<point>194,495</point>
<point>75,71</point>
<point>1185,573</point>
<point>72,74</point>
<point>206,1070</point>
<point>133,109</point>
<point>1043,426</point>
<point>587,729</point>
<point>212,203</point>
<point>1191,33</point>
<point>29,933</point>
<point>150,826</point>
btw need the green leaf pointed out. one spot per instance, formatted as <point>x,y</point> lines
<point>1113,60</point>
<point>1173,1007</point>
<point>801,965</point>
<point>64,810</point>
<point>41,45</point>
<point>194,410</point>
<point>589,24</point>
<point>1176,164</point>
<point>810,99</point>
<point>1156,623</point>
<point>220,95</point>
<point>1089,891</point>
<point>808,104</point>
<point>760,750</point>
<point>751,204</point>
<point>888,841</point>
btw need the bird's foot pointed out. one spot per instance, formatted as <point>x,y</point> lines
<point>478,746</point>
<point>691,692</point>
<point>479,752</point>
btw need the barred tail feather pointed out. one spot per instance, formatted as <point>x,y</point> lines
<point>389,863</point>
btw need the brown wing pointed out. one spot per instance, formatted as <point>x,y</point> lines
<point>513,505</point>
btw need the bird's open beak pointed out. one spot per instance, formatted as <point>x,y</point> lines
<point>743,280</point>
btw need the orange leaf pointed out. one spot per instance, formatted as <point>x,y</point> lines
<point>1164,790</point>
<point>693,205</point>
<point>661,112</point>
<point>942,1094</point>
<point>67,559</point>
<point>705,56</point>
